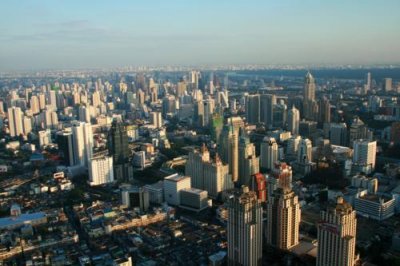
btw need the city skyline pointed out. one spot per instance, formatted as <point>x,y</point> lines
<point>47,35</point>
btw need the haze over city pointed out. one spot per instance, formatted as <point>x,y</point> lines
<point>104,34</point>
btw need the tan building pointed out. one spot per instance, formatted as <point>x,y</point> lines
<point>229,144</point>
<point>244,229</point>
<point>337,235</point>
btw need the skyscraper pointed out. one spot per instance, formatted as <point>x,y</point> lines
<point>387,84</point>
<point>365,153</point>
<point>83,142</point>
<point>15,121</point>
<point>309,105</point>
<point>228,147</point>
<point>293,120</point>
<point>358,130</point>
<point>268,153</point>
<point>101,170</point>
<point>304,153</point>
<point>267,102</point>
<point>66,146</point>
<point>283,218</point>
<point>253,109</point>
<point>118,148</point>
<point>249,163</point>
<point>324,109</point>
<point>337,235</point>
<point>244,230</point>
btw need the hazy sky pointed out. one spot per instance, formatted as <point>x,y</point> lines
<point>92,33</point>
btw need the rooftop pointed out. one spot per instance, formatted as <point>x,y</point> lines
<point>21,219</point>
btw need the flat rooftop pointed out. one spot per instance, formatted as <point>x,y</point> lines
<point>175,177</point>
<point>24,218</point>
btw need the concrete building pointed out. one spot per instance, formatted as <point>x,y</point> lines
<point>374,206</point>
<point>253,109</point>
<point>135,197</point>
<point>101,170</point>
<point>229,145</point>
<point>337,235</point>
<point>283,219</point>
<point>304,152</point>
<point>173,185</point>
<point>15,121</point>
<point>193,199</point>
<point>293,120</point>
<point>44,137</point>
<point>365,153</point>
<point>244,230</point>
<point>156,192</point>
<point>83,142</point>
<point>268,153</point>
<point>249,163</point>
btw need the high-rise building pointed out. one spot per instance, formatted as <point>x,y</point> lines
<point>387,84</point>
<point>244,230</point>
<point>66,145</point>
<point>44,137</point>
<point>324,109</point>
<point>216,124</point>
<point>253,109</point>
<point>34,104</point>
<point>207,174</point>
<point>395,132</point>
<point>135,197</point>
<point>101,170</point>
<point>27,125</point>
<point>268,153</point>
<point>181,88</point>
<point>292,146</point>
<point>293,121</point>
<point>358,130</point>
<point>259,185</point>
<point>304,153</point>
<point>15,121</point>
<point>279,114</point>
<point>83,142</point>
<point>156,119</point>
<point>368,82</point>
<point>118,148</point>
<point>365,153</point>
<point>249,163</point>
<point>283,219</point>
<point>337,134</point>
<point>229,142</point>
<point>281,177</point>
<point>337,235</point>
<point>309,105</point>
<point>267,102</point>
<point>173,185</point>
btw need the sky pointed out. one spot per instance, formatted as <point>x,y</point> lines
<point>76,34</point>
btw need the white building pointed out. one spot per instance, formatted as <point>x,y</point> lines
<point>173,185</point>
<point>44,137</point>
<point>15,121</point>
<point>101,170</point>
<point>83,142</point>
<point>364,153</point>
<point>293,121</point>
<point>374,206</point>
<point>193,199</point>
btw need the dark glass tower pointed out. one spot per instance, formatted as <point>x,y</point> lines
<point>118,148</point>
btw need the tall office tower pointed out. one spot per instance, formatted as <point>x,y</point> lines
<point>217,122</point>
<point>244,230</point>
<point>194,78</point>
<point>324,111</point>
<point>293,121</point>
<point>173,185</point>
<point>253,109</point>
<point>207,174</point>
<point>293,145</point>
<point>27,125</point>
<point>337,235</point>
<point>281,177</point>
<point>228,147</point>
<point>279,118</point>
<point>283,219</point>
<point>211,88</point>
<point>15,121</point>
<point>304,153</point>
<point>249,163</point>
<point>198,116</point>
<point>368,81</point>
<point>365,153</point>
<point>208,110</point>
<point>337,134</point>
<point>83,142</point>
<point>135,197</point>
<point>50,117</point>
<point>140,96</point>
<point>181,88</point>
<point>358,130</point>
<point>96,98</point>
<point>309,105</point>
<point>76,98</point>
<point>118,148</point>
<point>168,105</point>
<point>65,144</point>
<point>267,102</point>
<point>34,104</point>
<point>195,166</point>
<point>52,99</point>
<point>156,119</point>
<point>268,153</point>
<point>101,170</point>
<point>259,185</point>
<point>387,84</point>
<point>237,122</point>
<point>84,114</point>
<point>154,93</point>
